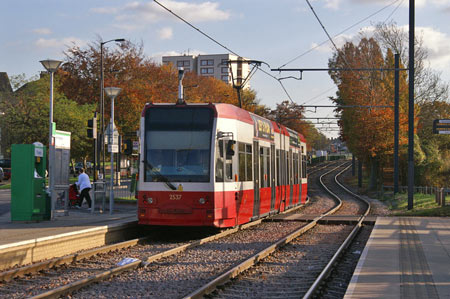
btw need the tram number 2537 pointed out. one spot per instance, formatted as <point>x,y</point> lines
<point>174,196</point>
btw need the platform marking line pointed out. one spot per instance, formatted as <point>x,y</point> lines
<point>416,279</point>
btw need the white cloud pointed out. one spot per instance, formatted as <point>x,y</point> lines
<point>438,45</point>
<point>165,33</point>
<point>59,43</point>
<point>332,4</point>
<point>136,14</point>
<point>418,3</point>
<point>441,2</point>
<point>42,31</point>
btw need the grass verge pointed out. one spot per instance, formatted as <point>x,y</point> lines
<point>424,204</point>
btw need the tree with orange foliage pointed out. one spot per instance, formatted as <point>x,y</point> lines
<point>368,133</point>
<point>142,81</point>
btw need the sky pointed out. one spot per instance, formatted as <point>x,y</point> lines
<point>274,32</point>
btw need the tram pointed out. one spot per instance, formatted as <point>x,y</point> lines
<point>216,165</point>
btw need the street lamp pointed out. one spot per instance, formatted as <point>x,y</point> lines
<point>51,66</point>
<point>102,102</point>
<point>112,92</point>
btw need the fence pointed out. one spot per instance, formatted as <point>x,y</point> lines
<point>440,193</point>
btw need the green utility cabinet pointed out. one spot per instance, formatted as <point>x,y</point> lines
<point>29,200</point>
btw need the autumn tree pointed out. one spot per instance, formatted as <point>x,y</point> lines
<point>142,81</point>
<point>290,114</point>
<point>368,133</point>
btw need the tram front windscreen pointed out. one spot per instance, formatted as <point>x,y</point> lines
<point>177,144</point>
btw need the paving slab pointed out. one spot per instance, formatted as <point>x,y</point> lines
<point>405,257</point>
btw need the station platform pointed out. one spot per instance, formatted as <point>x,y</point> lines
<point>77,220</point>
<point>405,257</point>
<point>26,242</point>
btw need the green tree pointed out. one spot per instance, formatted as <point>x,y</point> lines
<point>26,117</point>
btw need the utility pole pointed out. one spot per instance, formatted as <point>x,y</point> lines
<point>396,120</point>
<point>411,108</point>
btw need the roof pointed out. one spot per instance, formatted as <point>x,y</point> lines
<point>5,84</point>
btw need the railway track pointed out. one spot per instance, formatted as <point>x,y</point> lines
<point>296,270</point>
<point>180,268</point>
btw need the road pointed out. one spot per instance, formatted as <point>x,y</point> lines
<point>5,200</point>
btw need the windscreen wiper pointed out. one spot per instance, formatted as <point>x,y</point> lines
<point>160,177</point>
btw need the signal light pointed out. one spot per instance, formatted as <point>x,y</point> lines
<point>92,127</point>
<point>127,147</point>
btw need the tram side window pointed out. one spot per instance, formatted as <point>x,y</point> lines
<point>220,162</point>
<point>264,156</point>
<point>304,166</point>
<point>245,162</point>
<point>295,168</point>
<point>278,169</point>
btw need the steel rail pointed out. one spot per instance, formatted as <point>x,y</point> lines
<point>329,267</point>
<point>67,259</point>
<point>69,288</point>
<point>253,260</point>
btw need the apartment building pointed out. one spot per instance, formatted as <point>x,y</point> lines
<point>213,65</point>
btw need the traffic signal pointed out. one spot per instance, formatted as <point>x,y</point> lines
<point>92,127</point>
<point>127,147</point>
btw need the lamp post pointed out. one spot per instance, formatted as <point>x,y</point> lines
<point>51,66</point>
<point>112,92</point>
<point>102,102</point>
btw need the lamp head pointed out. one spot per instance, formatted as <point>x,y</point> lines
<point>51,65</point>
<point>112,92</point>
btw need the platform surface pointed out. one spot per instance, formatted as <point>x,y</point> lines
<point>405,257</point>
<point>77,220</point>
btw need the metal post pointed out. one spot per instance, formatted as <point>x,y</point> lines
<point>111,191</point>
<point>119,157</point>
<point>359,173</point>
<point>51,152</point>
<point>102,111</point>
<point>396,120</point>
<point>411,108</point>
<point>353,165</point>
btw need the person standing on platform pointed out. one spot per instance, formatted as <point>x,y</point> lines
<point>84,185</point>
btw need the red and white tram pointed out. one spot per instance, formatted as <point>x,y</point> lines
<point>216,165</point>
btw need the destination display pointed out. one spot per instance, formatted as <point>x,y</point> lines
<point>294,138</point>
<point>262,128</point>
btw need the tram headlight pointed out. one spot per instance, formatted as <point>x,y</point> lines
<point>202,201</point>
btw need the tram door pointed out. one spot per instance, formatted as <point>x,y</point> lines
<point>256,202</point>
<point>273,175</point>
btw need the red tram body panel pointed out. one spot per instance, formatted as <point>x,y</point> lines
<point>216,165</point>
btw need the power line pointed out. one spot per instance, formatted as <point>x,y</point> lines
<point>223,46</point>
<point>282,86</point>
<point>346,29</point>
<point>395,9</point>
<point>215,41</point>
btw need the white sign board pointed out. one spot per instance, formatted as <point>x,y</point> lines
<point>115,136</point>
<point>135,145</point>
<point>62,139</point>
<point>113,148</point>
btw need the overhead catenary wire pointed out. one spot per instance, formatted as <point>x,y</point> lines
<point>201,32</point>
<point>345,30</point>
<point>281,83</point>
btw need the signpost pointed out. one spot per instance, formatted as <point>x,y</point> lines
<point>441,126</point>
<point>112,139</point>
